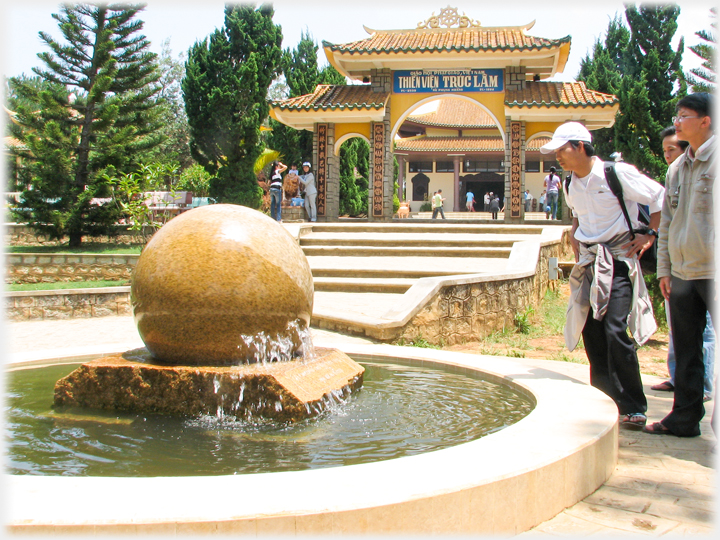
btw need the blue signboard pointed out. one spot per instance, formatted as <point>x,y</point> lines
<point>447,80</point>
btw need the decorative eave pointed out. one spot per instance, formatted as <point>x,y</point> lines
<point>468,45</point>
<point>331,103</point>
<point>560,102</point>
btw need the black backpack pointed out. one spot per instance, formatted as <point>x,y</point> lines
<point>648,260</point>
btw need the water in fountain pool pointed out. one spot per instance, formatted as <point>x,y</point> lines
<point>401,410</point>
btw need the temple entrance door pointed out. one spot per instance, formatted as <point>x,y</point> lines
<point>480,184</point>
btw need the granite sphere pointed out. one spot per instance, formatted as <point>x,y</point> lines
<point>219,282</point>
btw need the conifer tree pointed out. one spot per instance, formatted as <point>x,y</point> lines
<point>646,71</point>
<point>302,75</point>
<point>95,115</point>
<point>702,78</point>
<point>226,82</point>
<point>354,156</point>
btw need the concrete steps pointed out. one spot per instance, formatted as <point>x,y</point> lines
<point>474,216</point>
<point>405,227</point>
<point>365,285</point>
<point>388,258</point>
<point>403,251</point>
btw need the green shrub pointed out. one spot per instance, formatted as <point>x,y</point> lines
<point>195,179</point>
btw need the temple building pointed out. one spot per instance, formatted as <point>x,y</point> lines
<point>491,111</point>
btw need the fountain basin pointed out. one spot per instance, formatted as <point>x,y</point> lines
<point>504,483</point>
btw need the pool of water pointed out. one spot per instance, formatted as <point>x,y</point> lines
<point>401,410</point>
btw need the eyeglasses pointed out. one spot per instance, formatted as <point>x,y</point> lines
<point>681,118</point>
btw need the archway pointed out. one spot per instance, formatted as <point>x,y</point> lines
<point>445,136</point>
<point>352,151</point>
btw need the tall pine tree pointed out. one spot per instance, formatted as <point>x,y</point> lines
<point>302,75</point>
<point>226,82</point>
<point>703,78</point>
<point>647,72</point>
<point>97,114</point>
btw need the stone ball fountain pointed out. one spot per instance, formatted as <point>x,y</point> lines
<point>222,297</point>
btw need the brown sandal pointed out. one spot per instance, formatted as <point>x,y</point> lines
<point>665,386</point>
<point>656,428</point>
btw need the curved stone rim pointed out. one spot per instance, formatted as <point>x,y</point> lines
<point>507,482</point>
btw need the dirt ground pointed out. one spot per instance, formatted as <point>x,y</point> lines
<point>652,355</point>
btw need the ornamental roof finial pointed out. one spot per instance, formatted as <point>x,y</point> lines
<point>448,18</point>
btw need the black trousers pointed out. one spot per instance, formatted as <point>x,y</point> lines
<point>614,367</point>
<point>689,302</point>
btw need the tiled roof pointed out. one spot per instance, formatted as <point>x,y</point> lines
<point>349,97</point>
<point>557,94</point>
<point>460,144</point>
<point>455,113</point>
<point>450,144</point>
<point>436,40</point>
<point>535,144</point>
<point>12,142</point>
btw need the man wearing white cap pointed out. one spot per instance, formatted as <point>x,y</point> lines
<point>308,180</point>
<point>607,290</point>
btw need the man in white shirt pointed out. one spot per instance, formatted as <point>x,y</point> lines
<point>608,292</point>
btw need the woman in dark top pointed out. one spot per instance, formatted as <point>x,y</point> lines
<point>276,184</point>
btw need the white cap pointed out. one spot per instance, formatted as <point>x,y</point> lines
<point>569,131</point>
<point>307,164</point>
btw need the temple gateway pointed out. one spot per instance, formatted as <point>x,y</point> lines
<point>491,112</point>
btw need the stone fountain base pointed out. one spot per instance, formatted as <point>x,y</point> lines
<point>282,391</point>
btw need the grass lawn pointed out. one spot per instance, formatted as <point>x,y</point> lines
<point>538,333</point>
<point>94,248</point>
<point>64,285</point>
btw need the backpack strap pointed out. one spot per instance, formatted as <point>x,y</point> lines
<point>616,187</point>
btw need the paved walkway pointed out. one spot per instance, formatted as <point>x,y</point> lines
<point>661,486</point>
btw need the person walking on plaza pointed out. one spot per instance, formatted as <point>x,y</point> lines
<point>552,184</point>
<point>494,206</point>
<point>276,190</point>
<point>470,201</point>
<point>607,290</point>
<point>308,180</point>
<point>438,204</point>
<point>686,265</point>
<point>673,149</point>
<point>541,203</point>
<point>528,200</point>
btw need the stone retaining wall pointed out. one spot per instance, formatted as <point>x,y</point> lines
<point>23,235</point>
<point>468,312</point>
<point>50,268</point>
<point>67,304</point>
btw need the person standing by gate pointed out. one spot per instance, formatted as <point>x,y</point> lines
<point>470,201</point>
<point>308,180</point>
<point>552,185</point>
<point>486,202</point>
<point>276,191</point>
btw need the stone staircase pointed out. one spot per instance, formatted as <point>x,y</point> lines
<point>477,216</point>
<point>390,257</point>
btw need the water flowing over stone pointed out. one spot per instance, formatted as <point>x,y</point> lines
<point>215,275</point>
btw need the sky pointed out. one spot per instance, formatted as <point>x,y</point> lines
<point>339,21</point>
